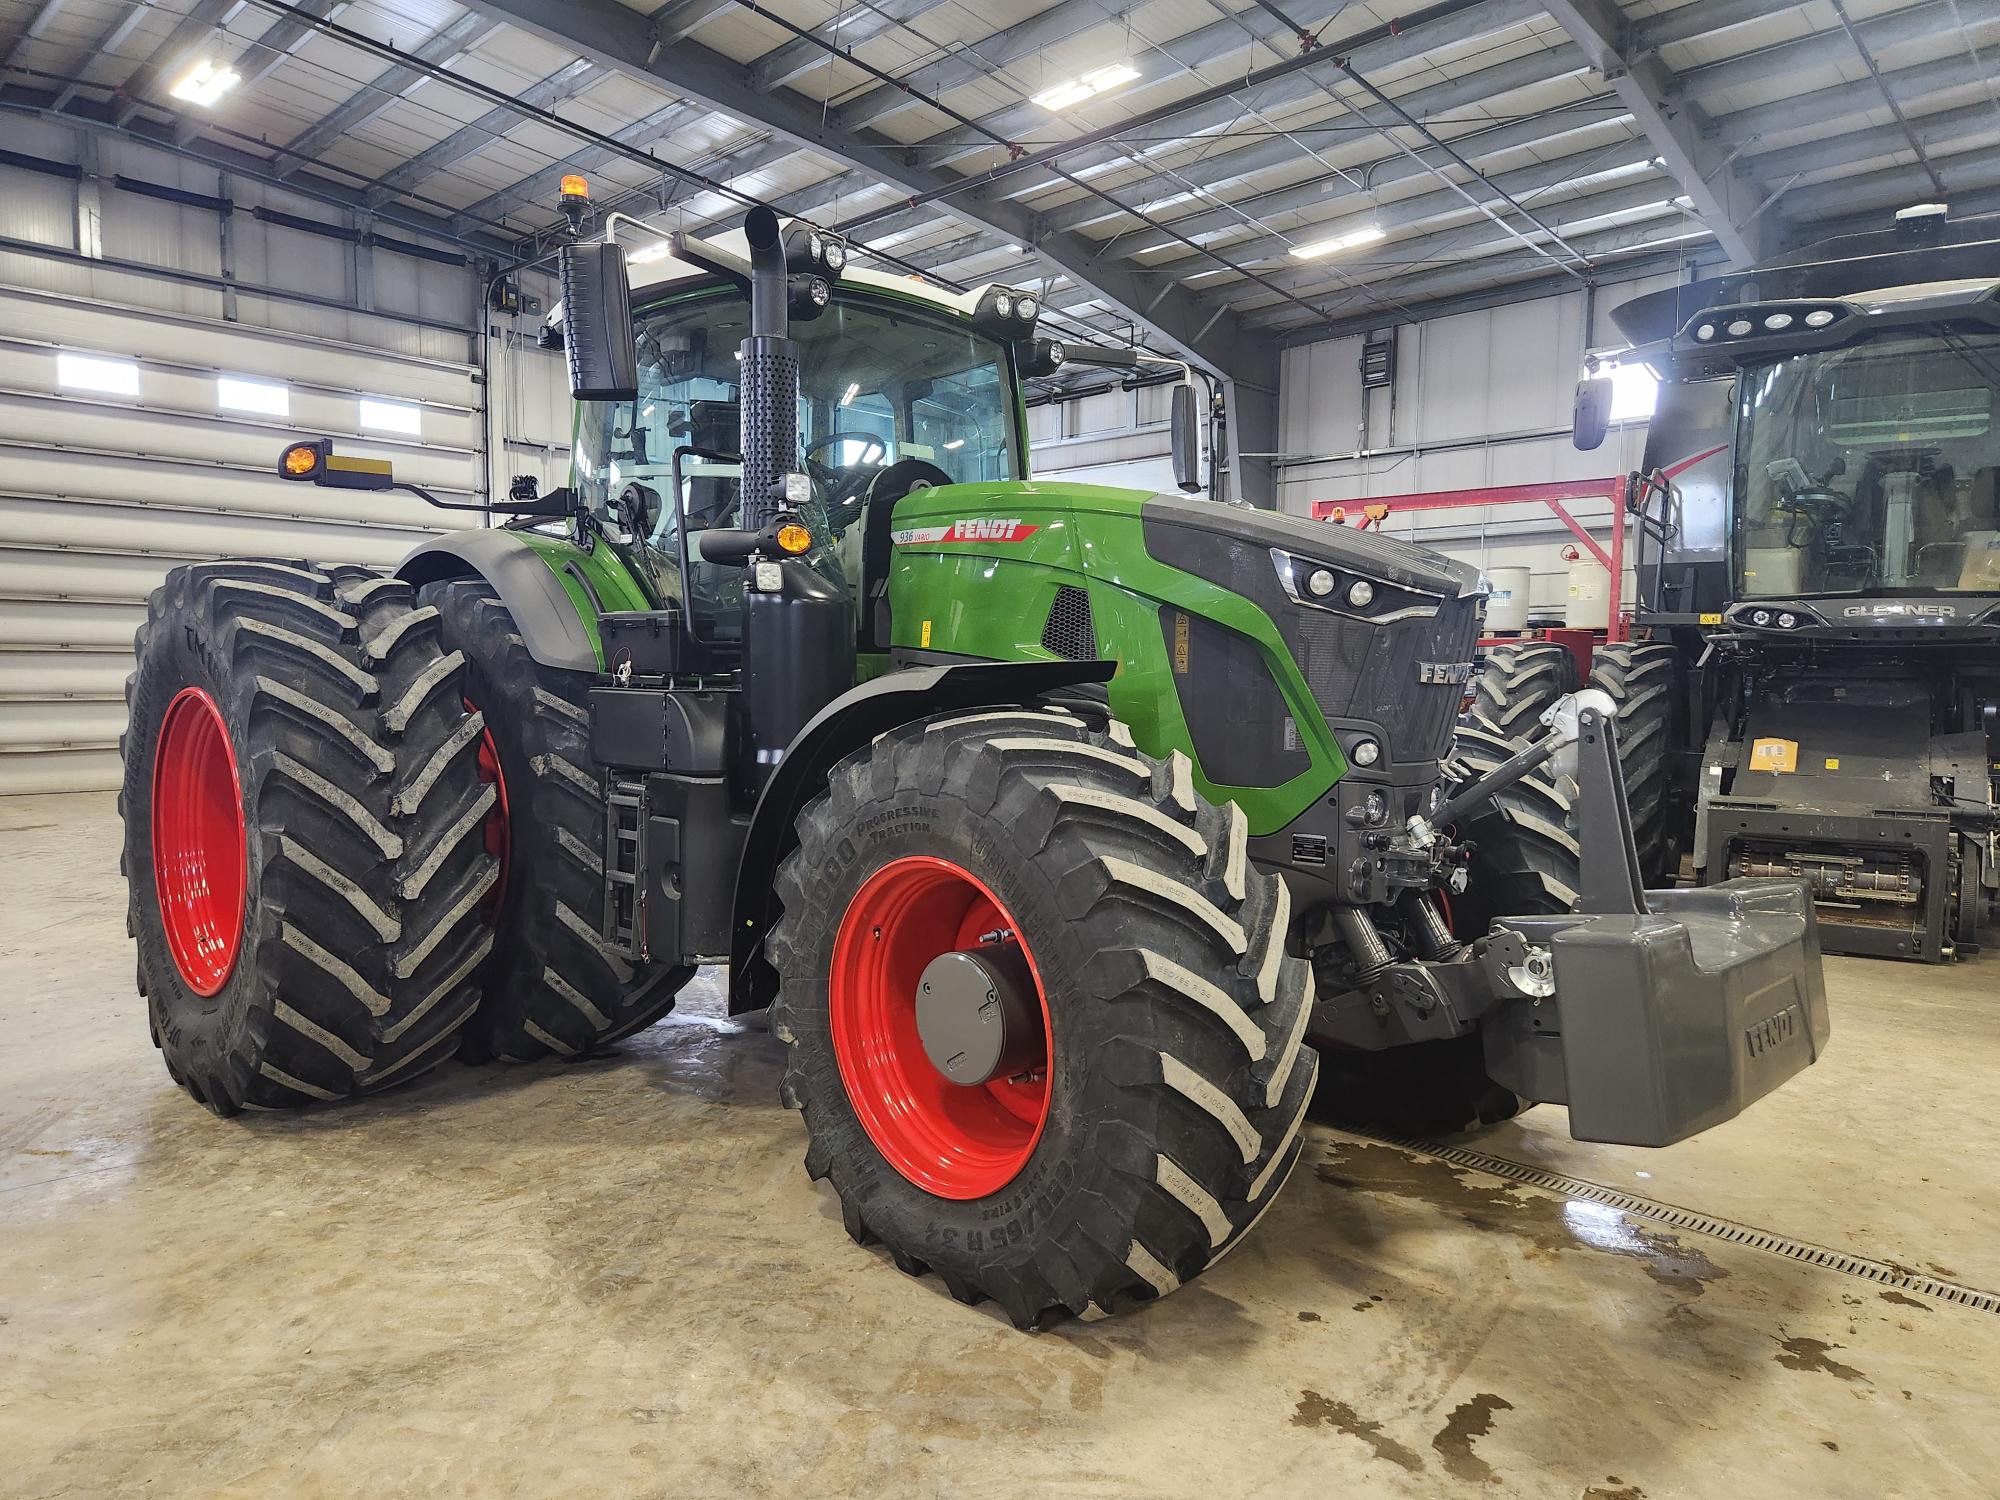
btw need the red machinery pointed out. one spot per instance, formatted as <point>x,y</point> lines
<point>1554,493</point>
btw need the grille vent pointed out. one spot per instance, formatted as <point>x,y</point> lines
<point>1070,632</point>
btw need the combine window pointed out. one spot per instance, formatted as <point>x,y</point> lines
<point>1871,469</point>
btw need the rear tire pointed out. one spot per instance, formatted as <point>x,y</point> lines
<point>1640,677</point>
<point>1174,1079</point>
<point>552,984</point>
<point>326,944</point>
<point>1516,682</point>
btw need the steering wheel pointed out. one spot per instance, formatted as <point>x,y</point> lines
<point>1825,510</point>
<point>842,483</point>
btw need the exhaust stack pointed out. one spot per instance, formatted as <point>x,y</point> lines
<point>770,380</point>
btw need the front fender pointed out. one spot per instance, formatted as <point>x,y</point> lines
<point>847,724</point>
<point>547,617</point>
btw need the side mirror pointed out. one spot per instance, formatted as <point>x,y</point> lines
<point>1593,413</point>
<point>1185,430</point>
<point>597,324</point>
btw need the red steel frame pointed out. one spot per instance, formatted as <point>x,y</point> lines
<point>1375,510</point>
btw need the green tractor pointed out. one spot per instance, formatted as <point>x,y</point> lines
<point>1046,821</point>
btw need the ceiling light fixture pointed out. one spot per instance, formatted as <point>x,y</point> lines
<point>852,391</point>
<point>1076,90</point>
<point>205,82</point>
<point>1367,235</point>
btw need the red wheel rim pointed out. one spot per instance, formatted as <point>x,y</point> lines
<point>498,829</point>
<point>954,1140</point>
<point>200,865</point>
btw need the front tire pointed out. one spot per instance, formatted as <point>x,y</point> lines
<point>302,854</point>
<point>1161,1113</point>
<point>553,984</point>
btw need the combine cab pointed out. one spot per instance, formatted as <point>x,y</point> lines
<point>1820,543</point>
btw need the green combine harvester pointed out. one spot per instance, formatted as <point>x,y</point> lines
<point>1047,821</point>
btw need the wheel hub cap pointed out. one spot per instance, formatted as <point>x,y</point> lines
<point>978,1015</point>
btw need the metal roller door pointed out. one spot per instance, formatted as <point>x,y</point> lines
<point>101,492</point>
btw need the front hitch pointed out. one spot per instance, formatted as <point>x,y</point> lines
<point>1653,1015</point>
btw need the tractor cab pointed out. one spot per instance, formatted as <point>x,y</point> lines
<point>900,387</point>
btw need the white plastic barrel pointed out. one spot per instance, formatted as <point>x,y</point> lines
<point>1588,606</point>
<point>1507,604</point>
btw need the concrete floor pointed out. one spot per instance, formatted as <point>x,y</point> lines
<point>615,1280</point>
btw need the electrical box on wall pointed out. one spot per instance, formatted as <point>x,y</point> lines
<point>1378,363</point>
<point>509,298</point>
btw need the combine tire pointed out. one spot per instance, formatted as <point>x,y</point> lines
<point>552,984</point>
<point>1515,683</point>
<point>1641,679</point>
<point>1112,1109</point>
<point>1525,862</point>
<point>302,852</point>
<point>1525,865</point>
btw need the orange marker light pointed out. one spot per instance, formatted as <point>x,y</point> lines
<point>574,186</point>
<point>299,460</point>
<point>794,538</point>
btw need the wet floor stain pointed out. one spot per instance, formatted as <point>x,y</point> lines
<point>1315,1410</point>
<point>1364,1307</point>
<point>1469,1421</point>
<point>1622,1491</point>
<point>1901,1301</point>
<point>1811,1356</point>
<point>1549,1224</point>
<point>1830,1445</point>
<point>1309,1317</point>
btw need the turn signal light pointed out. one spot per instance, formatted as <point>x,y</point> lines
<point>794,538</point>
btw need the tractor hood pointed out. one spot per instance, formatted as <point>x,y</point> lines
<point>1343,550</point>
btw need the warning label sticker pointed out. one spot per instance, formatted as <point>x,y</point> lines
<point>1781,756</point>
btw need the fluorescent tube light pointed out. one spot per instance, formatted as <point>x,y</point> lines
<point>1367,235</point>
<point>206,82</point>
<point>1076,90</point>
<point>852,391</point>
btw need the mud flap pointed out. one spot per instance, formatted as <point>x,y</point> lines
<point>1666,1023</point>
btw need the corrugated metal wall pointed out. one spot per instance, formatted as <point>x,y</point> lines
<point>1108,437</point>
<point>1480,398</point>
<point>102,492</point>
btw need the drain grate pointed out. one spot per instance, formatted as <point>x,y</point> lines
<point>1883,1273</point>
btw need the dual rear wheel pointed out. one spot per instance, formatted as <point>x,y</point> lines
<point>362,833</point>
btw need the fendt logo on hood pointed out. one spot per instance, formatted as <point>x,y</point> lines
<point>983,529</point>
